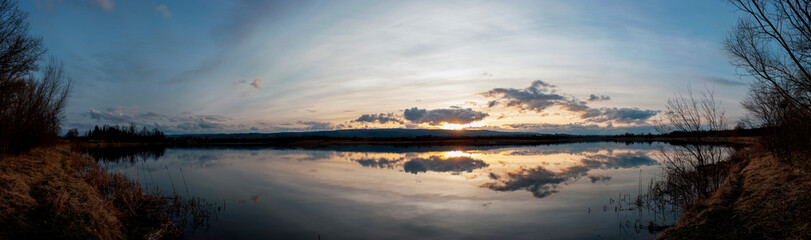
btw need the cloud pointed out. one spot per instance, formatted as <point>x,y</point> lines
<point>314,125</point>
<point>580,128</point>
<point>725,82</point>
<point>381,118</point>
<point>111,115</point>
<point>541,95</point>
<point>595,98</point>
<point>439,164</point>
<point>163,11</point>
<point>106,5</point>
<point>182,122</point>
<point>537,97</point>
<point>257,83</point>
<point>620,115</point>
<point>447,115</point>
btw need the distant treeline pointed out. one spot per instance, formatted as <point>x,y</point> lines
<point>122,134</point>
<point>739,131</point>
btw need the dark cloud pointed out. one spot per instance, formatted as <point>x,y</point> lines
<point>381,118</point>
<point>620,115</point>
<point>595,98</point>
<point>537,97</point>
<point>439,164</point>
<point>725,82</point>
<point>447,115</point>
<point>541,95</point>
<point>580,128</point>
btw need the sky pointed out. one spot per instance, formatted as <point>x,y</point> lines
<point>582,67</point>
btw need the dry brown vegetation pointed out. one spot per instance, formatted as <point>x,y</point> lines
<point>32,99</point>
<point>56,193</point>
<point>763,198</point>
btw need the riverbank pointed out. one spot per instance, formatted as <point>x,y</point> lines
<point>763,198</point>
<point>56,193</point>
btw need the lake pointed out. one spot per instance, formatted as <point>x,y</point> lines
<point>564,191</point>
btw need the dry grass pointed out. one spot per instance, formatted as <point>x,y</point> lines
<point>55,193</point>
<point>763,198</point>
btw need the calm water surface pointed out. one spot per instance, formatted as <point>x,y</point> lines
<point>566,191</point>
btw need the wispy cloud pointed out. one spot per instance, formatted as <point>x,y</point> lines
<point>106,5</point>
<point>578,128</point>
<point>724,82</point>
<point>163,10</point>
<point>257,83</point>
<point>173,123</point>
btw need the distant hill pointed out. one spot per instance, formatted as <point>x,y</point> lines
<point>366,133</point>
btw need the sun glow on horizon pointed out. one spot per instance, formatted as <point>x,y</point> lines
<point>455,154</point>
<point>456,126</point>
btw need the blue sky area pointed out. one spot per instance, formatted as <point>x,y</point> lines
<point>270,66</point>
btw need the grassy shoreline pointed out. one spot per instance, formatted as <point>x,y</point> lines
<point>762,198</point>
<point>54,192</point>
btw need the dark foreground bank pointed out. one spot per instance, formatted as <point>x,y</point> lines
<point>56,193</point>
<point>762,198</point>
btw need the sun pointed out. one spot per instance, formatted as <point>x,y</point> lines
<point>453,126</point>
<point>456,126</point>
<point>455,154</point>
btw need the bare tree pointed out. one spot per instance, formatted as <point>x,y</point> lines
<point>772,44</point>
<point>31,102</point>
<point>694,168</point>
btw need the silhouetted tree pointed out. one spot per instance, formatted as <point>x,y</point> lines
<point>72,133</point>
<point>772,43</point>
<point>31,104</point>
<point>125,134</point>
<point>693,169</point>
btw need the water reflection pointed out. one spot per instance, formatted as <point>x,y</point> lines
<point>126,154</point>
<point>374,192</point>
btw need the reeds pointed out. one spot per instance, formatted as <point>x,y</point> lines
<point>55,193</point>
